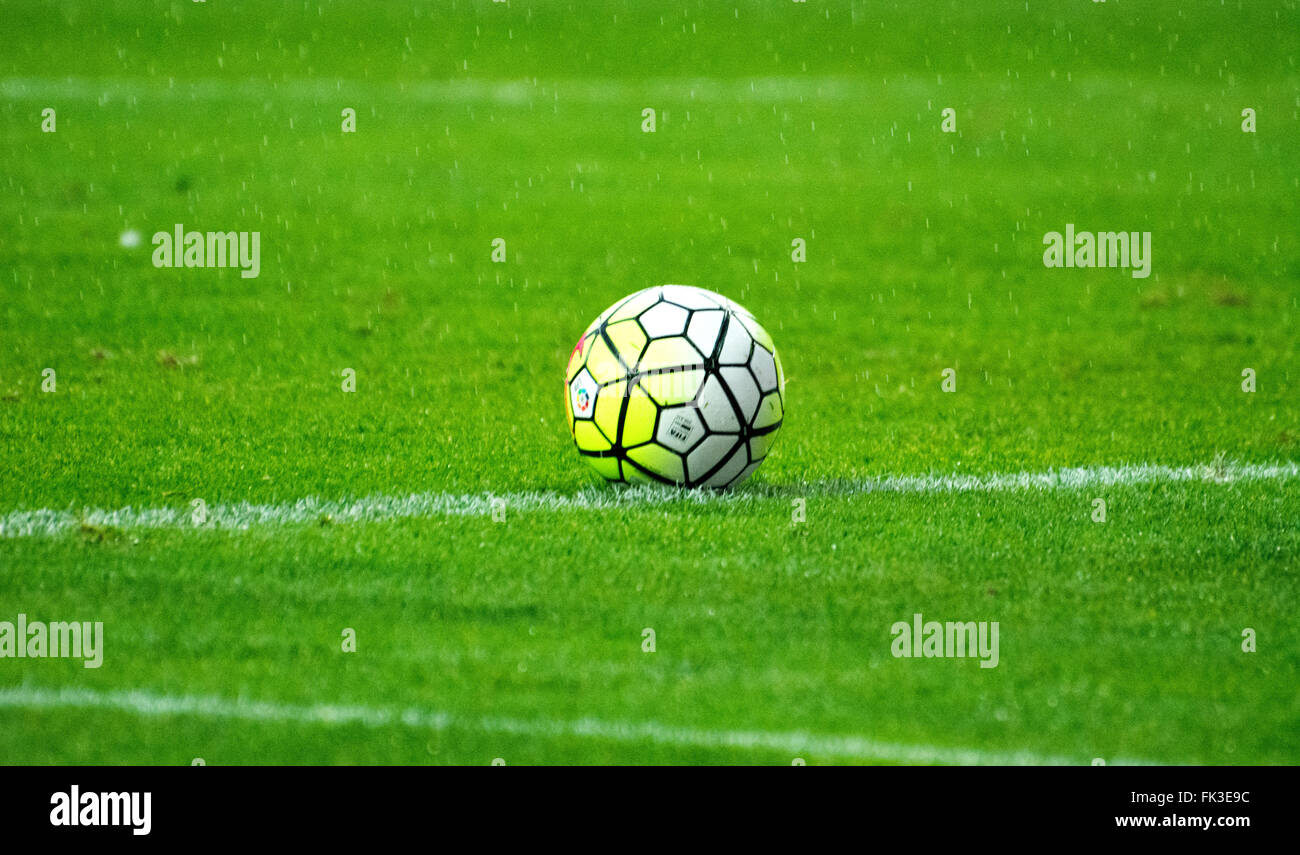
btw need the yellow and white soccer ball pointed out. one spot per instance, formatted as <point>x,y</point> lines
<point>676,385</point>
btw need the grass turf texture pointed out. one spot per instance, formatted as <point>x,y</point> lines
<point>522,121</point>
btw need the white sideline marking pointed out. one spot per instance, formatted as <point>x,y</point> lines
<point>519,93</point>
<point>48,522</point>
<point>794,743</point>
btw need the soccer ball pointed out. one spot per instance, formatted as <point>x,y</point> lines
<point>675,385</point>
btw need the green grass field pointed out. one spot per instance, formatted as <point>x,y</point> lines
<point>523,640</point>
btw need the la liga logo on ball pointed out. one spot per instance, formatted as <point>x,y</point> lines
<point>675,385</point>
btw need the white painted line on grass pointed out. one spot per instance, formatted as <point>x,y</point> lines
<point>810,746</point>
<point>49,522</point>
<point>529,94</point>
